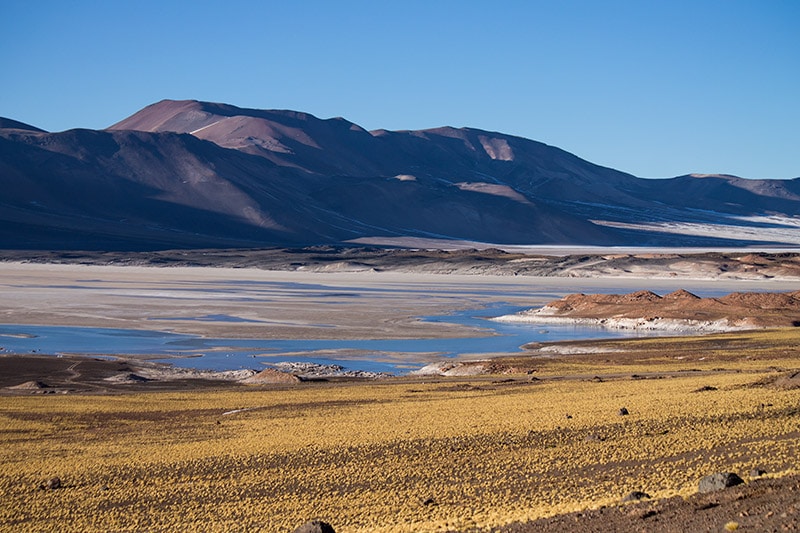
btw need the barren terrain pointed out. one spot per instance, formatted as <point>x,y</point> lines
<point>192,175</point>
<point>559,432</point>
<point>544,437</point>
<point>431,256</point>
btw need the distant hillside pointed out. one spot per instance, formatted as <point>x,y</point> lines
<point>188,174</point>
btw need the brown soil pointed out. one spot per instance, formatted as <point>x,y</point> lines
<point>760,505</point>
<point>46,374</point>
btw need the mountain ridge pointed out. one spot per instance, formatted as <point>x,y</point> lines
<point>191,174</point>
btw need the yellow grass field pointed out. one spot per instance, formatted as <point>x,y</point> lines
<point>401,455</point>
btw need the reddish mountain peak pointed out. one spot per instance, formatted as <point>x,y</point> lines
<point>186,116</point>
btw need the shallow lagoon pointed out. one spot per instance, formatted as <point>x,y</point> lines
<point>377,355</point>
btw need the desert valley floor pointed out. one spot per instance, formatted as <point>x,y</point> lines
<point>560,436</point>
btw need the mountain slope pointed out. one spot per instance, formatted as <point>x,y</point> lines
<point>7,123</point>
<point>188,174</point>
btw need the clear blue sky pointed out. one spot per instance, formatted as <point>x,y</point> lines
<point>654,88</point>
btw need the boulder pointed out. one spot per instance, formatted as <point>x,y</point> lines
<point>315,526</point>
<point>719,481</point>
<point>636,496</point>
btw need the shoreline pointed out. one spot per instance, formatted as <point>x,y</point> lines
<point>254,304</point>
<point>675,325</point>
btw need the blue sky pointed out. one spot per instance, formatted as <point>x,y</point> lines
<point>654,88</point>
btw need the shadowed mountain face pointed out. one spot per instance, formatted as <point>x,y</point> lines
<point>187,174</point>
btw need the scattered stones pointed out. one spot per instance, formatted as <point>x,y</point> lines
<point>592,437</point>
<point>719,481</point>
<point>636,496</point>
<point>623,412</point>
<point>307,370</point>
<point>315,526</point>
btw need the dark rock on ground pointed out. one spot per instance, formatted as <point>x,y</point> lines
<point>52,483</point>
<point>719,481</point>
<point>315,526</point>
<point>635,496</point>
<point>623,411</point>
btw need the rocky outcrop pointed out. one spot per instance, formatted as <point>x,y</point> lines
<point>678,311</point>
<point>271,376</point>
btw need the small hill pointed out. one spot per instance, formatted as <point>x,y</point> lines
<point>678,310</point>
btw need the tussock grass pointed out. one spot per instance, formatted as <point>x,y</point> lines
<point>401,456</point>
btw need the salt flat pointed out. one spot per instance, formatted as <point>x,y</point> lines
<point>252,303</point>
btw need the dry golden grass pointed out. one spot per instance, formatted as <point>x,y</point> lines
<point>366,457</point>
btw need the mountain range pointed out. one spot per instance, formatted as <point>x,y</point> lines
<point>190,174</point>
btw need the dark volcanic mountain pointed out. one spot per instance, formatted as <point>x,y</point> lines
<point>187,174</point>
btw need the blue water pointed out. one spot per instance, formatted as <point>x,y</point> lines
<point>377,355</point>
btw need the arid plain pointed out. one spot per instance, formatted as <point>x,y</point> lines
<point>540,435</point>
